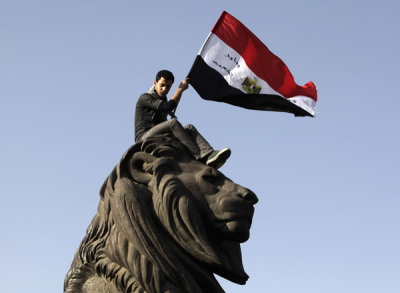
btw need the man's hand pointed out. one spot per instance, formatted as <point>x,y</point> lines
<point>184,84</point>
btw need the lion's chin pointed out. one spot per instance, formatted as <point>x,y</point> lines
<point>236,230</point>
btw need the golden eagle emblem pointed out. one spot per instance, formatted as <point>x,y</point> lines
<point>250,86</point>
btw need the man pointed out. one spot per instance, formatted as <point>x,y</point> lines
<point>151,113</point>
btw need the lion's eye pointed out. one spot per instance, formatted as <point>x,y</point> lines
<point>210,183</point>
<point>210,176</point>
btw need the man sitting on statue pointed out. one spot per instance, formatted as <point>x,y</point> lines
<point>151,113</point>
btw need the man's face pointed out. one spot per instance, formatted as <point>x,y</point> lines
<point>162,86</point>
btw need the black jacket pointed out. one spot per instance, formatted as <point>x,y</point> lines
<point>151,110</point>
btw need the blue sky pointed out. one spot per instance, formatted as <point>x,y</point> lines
<point>71,72</point>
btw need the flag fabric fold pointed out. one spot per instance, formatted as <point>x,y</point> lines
<point>235,67</point>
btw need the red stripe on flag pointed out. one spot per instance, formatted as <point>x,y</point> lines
<point>259,58</point>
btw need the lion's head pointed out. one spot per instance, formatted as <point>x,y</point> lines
<point>165,223</point>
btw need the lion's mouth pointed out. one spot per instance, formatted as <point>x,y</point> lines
<point>235,229</point>
<point>245,216</point>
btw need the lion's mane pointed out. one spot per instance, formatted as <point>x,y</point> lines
<point>144,242</point>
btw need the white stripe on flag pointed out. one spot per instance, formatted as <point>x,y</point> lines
<point>305,103</point>
<point>219,56</point>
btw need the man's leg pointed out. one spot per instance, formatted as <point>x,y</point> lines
<point>212,158</point>
<point>204,147</point>
<point>193,140</point>
<point>158,129</point>
<point>178,131</point>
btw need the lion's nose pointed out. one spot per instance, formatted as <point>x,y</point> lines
<point>249,195</point>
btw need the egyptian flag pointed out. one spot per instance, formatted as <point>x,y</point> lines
<point>235,67</point>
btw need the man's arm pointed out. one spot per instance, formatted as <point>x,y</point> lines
<point>182,87</point>
<point>148,101</point>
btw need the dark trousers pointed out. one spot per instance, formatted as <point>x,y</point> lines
<point>188,135</point>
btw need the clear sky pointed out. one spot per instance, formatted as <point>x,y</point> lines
<point>71,72</point>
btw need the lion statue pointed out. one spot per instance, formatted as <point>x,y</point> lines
<point>166,223</point>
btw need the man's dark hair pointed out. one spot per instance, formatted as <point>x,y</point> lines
<point>166,74</point>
